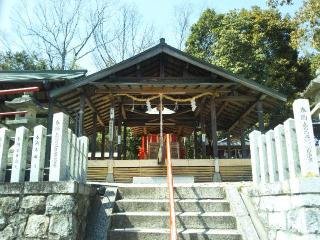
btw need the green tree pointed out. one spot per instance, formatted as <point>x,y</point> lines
<point>275,3</point>
<point>253,43</point>
<point>307,36</point>
<point>21,61</point>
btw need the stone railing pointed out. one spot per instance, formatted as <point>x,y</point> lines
<point>288,151</point>
<point>286,191</point>
<point>68,155</point>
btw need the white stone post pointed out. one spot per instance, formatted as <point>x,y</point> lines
<point>281,150</point>
<point>59,145</point>
<point>72,155</point>
<point>19,160</point>
<point>305,136</point>
<point>255,161</point>
<point>84,157</point>
<point>264,171</point>
<point>272,157</point>
<point>68,157</point>
<point>4,147</point>
<point>38,153</point>
<point>292,148</point>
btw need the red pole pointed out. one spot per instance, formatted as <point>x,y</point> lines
<point>173,227</point>
<point>19,90</point>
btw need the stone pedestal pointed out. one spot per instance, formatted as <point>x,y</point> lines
<point>289,209</point>
<point>44,210</point>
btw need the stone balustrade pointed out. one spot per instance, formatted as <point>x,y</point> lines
<point>68,155</point>
<point>288,151</point>
<point>285,169</point>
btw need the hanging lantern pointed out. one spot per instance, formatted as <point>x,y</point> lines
<point>132,109</point>
<point>193,104</point>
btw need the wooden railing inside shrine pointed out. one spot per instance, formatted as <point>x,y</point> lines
<point>288,151</point>
<point>173,227</point>
<point>68,155</point>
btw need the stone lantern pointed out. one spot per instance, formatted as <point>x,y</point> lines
<point>29,104</point>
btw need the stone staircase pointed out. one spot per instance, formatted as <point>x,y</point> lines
<point>142,212</point>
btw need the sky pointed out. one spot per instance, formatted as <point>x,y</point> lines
<point>160,13</point>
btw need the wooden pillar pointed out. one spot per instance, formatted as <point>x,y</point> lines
<point>195,141</point>
<point>124,150</point>
<point>119,130</point>
<point>260,116</point>
<point>228,145</point>
<point>111,130</point>
<point>243,144</point>
<point>214,128</point>
<point>162,147</point>
<point>49,131</point>
<point>203,136</point>
<point>81,115</point>
<point>103,141</point>
<point>94,136</point>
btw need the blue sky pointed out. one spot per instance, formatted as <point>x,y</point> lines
<point>160,13</point>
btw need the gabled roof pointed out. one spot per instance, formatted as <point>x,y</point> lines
<point>162,47</point>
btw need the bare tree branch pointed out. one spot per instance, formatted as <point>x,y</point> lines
<point>61,29</point>
<point>182,15</point>
<point>127,37</point>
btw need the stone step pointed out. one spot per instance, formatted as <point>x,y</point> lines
<point>145,192</point>
<point>186,220</point>
<point>181,205</point>
<point>163,234</point>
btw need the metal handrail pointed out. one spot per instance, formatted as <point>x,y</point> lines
<point>173,227</point>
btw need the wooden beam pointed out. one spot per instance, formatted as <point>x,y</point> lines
<point>95,110</point>
<point>175,89</point>
<point>220,111</point>
<point>245,113</point>
<point>236,99</point>
<point>192,79</point>
<point>142,123</point>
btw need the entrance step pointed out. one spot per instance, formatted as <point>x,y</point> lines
<point>185,220</point>
<point>140,192</point>
<point>164,234</point>
<point>181,205</point>
<point>203,212</point>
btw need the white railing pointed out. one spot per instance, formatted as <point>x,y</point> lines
<point>68,156</point>
<point>286,152</point>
